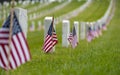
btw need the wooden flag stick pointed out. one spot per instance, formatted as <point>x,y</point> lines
<point>10,34</point>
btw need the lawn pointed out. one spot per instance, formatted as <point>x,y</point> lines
<point>100,57</point>
<point>70,7</point>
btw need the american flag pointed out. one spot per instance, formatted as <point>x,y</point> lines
<point>73,38</point>
<point>18,53</point>
<point>95,31</point>
<point>99,31</point>
<point>90,35</point>
<point>104,28</point>
<point>50,39</point>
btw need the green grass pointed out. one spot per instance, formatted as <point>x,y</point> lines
<point>100,57</point>
<point>48,7</point>
<point>97,8</point>
<point>71,6</point>
<point>29,6</point>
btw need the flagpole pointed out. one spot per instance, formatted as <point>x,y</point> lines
<point>10,34</point>
<point>71,45</point>
<point>52,30</point>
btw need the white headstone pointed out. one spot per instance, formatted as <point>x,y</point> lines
<point>69,0</point>
<point>76,24</point>
<point>5,3</point>
<point>15,3</point>
<point>65,33</point>
<point>47,23</point>
<point>100,24</point>
<point>59,1</point>
<point>26,2</point>
<point>39,25</point>
<point>29,17</point>
<point>4,14</point>
<point>20,1</point>
<point>32,2</point>
<point>34,15</point>
<point>82,30</point>
<point>94,28</point>
<point>22,18</point>
<point>78,0</point>
<point>41,1</point>
<point>32,27</point>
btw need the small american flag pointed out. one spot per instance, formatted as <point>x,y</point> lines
<point>19,51</point>
<point>104,28</point>
<point>50,39</point>
<point>73,38</point>
<point>90,35</point>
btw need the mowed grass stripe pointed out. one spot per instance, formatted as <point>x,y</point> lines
<point>47,7</point>
<point>98,8</point>
<point>70,7</point>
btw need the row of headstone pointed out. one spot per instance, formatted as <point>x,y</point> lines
<point>94,29</point>
<point>66,31</point>
<point>80,28</point>
<point>3,14</point>
<point>74,13</point>
<point>33,16</point>
<point>39,6</point>
<point>49,1</point>
<point>42,4</point>
<point>32,1</point>
<point>46,12</point>
<point>33,26</point>
<point>23,3</point>
<point>22,17</point>
<point>6,3</point>
<point>108,12</point>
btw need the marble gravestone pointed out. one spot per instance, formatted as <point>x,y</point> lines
<point>65,33</point>
<point>22,18</point>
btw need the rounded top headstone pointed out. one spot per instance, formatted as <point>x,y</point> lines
<point>48,18</point>
<point>76,22</point>
<point>65,21</point>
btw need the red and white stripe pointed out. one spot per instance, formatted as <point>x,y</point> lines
<point>70,38</point>
<point>19,53</point>
<point>50,41</point>
<point>73,40</point>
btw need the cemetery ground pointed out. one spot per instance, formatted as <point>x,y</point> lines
<point>59,12</point>
<point>100,57</point>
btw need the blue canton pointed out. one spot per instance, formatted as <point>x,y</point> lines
<point>15,27</point>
